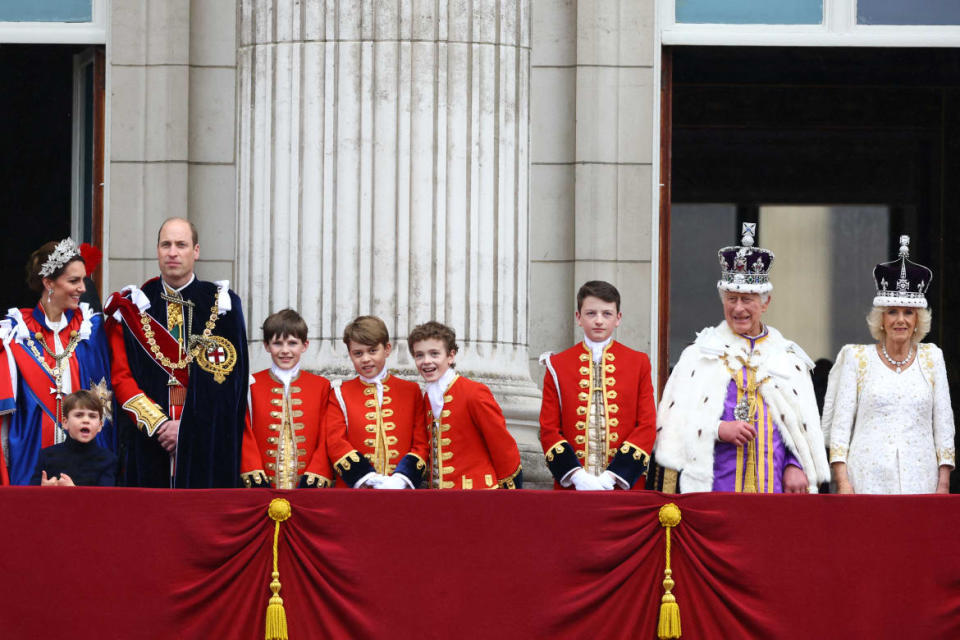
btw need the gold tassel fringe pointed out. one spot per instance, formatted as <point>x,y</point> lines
<point>276,627</point>
<point>669,624</point>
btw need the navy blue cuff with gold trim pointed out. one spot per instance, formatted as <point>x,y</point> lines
<point>630,463</point>
<point>413,467</point>
<point>561,459</point>
<point>352,467</point>
<point>513,481</point>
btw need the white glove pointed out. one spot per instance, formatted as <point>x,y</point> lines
<point>583,481</point>
<point>369,481</point>
<point>608,480</point>
<point>396,481</point>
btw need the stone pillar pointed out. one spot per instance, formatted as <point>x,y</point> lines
<point>383,169</point>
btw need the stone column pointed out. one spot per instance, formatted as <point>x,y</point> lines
<point>383,169</point>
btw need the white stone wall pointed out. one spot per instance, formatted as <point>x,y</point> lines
<point>591,179</point>
<point>487,156</point>
<point>172,132</point>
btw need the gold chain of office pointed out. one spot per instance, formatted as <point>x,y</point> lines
<point>194,350</point>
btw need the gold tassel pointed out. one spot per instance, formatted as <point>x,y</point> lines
<point>669,623</point>
<point>276,628</point>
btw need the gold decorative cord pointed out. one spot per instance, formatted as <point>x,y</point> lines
<point>57,371</point>
<point>749,394</point>
<point>669,623</point>
<point>197,341</point>
<point>276,626</point>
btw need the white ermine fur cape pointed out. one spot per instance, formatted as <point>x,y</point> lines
<point>692,404</point>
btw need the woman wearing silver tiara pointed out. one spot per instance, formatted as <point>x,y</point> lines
<point>887,416</point>
<point>46,353</point>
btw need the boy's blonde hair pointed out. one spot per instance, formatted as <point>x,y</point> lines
<point>366,330</point>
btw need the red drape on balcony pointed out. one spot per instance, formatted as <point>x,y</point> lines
<point>127,563</point>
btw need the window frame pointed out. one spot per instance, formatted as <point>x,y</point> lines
<point>838,29</point>
<point>93,32</point>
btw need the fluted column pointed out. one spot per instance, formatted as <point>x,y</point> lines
<point>383,169</point>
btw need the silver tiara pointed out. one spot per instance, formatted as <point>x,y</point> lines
<point>63,253</point>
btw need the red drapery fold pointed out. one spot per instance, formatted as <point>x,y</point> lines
<point>127,563</point>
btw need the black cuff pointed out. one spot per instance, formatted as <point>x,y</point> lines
<point>513,481</point>
<point>413,467</point>
<point>314,481</point>
<point>256,478</point>
<point>561,460</point>
<point>630,463</point>
<point>352,467</point>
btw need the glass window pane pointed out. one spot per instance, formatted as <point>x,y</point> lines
<point>822,275</point>
<point>750,11</point>
<point>697,231</point>
<point>46,11</point>
<point>919,12</point>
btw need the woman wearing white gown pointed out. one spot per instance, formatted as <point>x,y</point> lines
<point>887,417</point>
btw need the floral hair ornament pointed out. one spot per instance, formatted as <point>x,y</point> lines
<point>65,251</point>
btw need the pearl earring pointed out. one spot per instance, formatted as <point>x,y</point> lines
<point>49,294</point>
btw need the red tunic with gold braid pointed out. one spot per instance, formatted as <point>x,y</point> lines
<point>284,432</point>
<point>623,429</point>
<point>470,447</point>
<point>391,434</point>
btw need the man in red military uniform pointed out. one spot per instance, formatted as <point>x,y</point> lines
<point>284,428</point>
<point>597,419</point>
<point>376,414</point>
<point>470,447</point>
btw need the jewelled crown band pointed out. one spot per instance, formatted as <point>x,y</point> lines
<point>902,282</point>
<point>65,251</point>
<point>745,268</point>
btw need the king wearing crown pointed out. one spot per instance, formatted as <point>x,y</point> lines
<point>738,412</point>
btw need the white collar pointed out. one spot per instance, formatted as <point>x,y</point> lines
<point>58,326</point>
<point>435,391</point>
<point>597,347</point>
<point>285,376</point>
<point>377,380</point>
<point>193,277</point>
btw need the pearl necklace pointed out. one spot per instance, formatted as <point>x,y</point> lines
<point>897,363</point>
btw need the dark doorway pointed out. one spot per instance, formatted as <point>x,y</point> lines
<point>836,152</point>
<point>36,156</point>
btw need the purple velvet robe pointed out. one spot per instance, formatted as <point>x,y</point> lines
<point>772,456</point>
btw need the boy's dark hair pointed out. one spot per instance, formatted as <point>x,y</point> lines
<point>367,330</point>
<point>286,322</point>
<point>598,289</point>
<point>430,331</point>
<point>83,399</point>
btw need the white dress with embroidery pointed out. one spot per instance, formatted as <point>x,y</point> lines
<point>893,430</point>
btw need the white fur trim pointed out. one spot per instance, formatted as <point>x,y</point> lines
<point>894,300</point>
<point>745,288</point>
<point>694,396</point>
<point>223,296</point>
